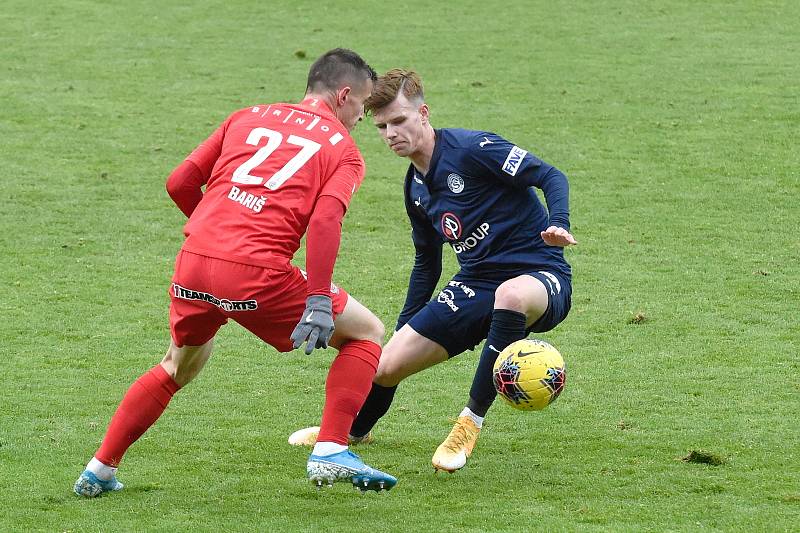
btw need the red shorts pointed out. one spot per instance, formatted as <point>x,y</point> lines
<point>269,302</point>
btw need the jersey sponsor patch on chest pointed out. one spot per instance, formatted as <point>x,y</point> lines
<point>514,160</point>
<point>451,226</point>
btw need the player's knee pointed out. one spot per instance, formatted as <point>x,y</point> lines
<point>374,330</point>
<point>184,363</point>
<point>392,369</point>
<point>387,375</point>
<point>509,296</point>
<point>170,364</point>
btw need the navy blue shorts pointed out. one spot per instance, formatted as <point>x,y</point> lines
<point>460,315</point>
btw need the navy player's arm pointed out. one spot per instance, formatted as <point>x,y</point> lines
<point>492,155</point>
<point>555,186</point>
<point>422,282</point>
<point>427,262</point>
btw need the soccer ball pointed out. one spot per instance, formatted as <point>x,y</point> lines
<point>529,374</point>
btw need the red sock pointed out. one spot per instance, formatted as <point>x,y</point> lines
<point>349,382</point>
<point>144,402</point>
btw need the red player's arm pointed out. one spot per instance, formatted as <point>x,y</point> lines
<point>184,186</point>
<point>185,183</point>
<point>322,244</point>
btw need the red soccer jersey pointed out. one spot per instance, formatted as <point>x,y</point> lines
<point>268,165</point>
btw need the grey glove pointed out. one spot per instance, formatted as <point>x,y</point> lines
<point>316,325</point>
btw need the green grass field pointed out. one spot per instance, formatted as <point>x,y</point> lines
<point>677,124</point>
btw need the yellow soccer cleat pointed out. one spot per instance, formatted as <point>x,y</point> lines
<point>308,437</point>
<point>452,454</point>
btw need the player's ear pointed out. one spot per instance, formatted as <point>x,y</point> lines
<point>341,95</point>
<point>425,113</point>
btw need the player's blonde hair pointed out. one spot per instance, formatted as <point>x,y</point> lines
<point>388,86</point>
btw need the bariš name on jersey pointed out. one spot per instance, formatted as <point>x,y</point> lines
<point>251,201</point>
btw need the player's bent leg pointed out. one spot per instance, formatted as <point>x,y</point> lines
<point>519,302</point>
<point>358,336</point>
<point>356,322</point>
<point>523,294</point>
<point>407,353</point>
<point>143,404</point>
<point>184,363</point>
<point>348,383</point>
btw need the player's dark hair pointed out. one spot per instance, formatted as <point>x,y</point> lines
<point>337,68</point>
<point>393,83</point>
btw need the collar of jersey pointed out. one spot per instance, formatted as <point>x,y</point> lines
<point>320,107</point>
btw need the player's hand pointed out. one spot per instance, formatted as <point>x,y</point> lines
<point>555,236</point>
<point>316,326</point>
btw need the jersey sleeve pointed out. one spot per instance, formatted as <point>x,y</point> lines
<point>347,178</point>
<point>422,233</point>
<point>206,154</point>
<point>488,154</point>
<point>492,155</point>
<point>322,244</point>
<point>185,186</point>
<point>185,183</point>
<point>427,261</point>
<point>421,283</point>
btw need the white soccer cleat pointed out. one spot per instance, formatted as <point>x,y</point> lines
<point>308,437</point>
<point>304,437</point>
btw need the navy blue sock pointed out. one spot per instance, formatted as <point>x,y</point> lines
<point>507,326</point>
<point>375,406</point>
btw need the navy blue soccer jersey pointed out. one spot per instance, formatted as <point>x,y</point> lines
<point>477,197</point>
